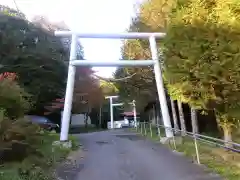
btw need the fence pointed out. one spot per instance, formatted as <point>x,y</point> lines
<point>233,146</point>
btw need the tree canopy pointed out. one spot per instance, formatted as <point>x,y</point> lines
<point>142,85</point>
<point>202,56</point>
<point>35,55</point>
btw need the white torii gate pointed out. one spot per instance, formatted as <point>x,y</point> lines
<point>121,104</point>
<point>73,62</point>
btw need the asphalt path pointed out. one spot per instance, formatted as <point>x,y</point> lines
<point>124,155</point>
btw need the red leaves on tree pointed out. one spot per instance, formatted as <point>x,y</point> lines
<point>8,75</point>
<point>86,90</point>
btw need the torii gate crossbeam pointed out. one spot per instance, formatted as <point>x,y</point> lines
<point>73,62</point>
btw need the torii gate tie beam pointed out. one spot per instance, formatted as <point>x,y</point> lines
<point>73,62</point>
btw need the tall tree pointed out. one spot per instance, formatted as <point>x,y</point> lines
<point>87,92</point>
<point>153,16</point>
<point>141,86</point>
<point>11,12</point>
<point>83,75</point>
<point>35,55</point>
<point>202,58</point>
<point>174,113</point>
<point>155,13</point>
<point>45,23</point>
<point>181,117</point>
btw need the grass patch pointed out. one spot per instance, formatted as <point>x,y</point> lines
<point>225,163</point>
<point>38,168</point>
<point>236,137</point>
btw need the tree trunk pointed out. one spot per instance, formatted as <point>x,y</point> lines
<point>86,120</point>
<point>158,123</point>
<point>227,131</point>
<point>195,128</point>
<point>174,113</point>
<point>181,117</point>
<point>154,115</point>
<point>100,116</point>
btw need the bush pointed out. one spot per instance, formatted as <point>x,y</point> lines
<point>18,136</point>
<point>18,139</point>
<point>35,168</point>
<point>13,99</point>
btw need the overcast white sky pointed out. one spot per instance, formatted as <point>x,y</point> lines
<point>86,16</point>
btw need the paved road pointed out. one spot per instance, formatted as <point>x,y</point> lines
<point>122,155</point>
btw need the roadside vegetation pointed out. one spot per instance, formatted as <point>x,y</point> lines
<point>216,159</point>
<point>200,61</point>
<point>201,69</point>
<point>41,164</point>
<point>33,73</point>
<point>26,151</point>
<point>32,70</point>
